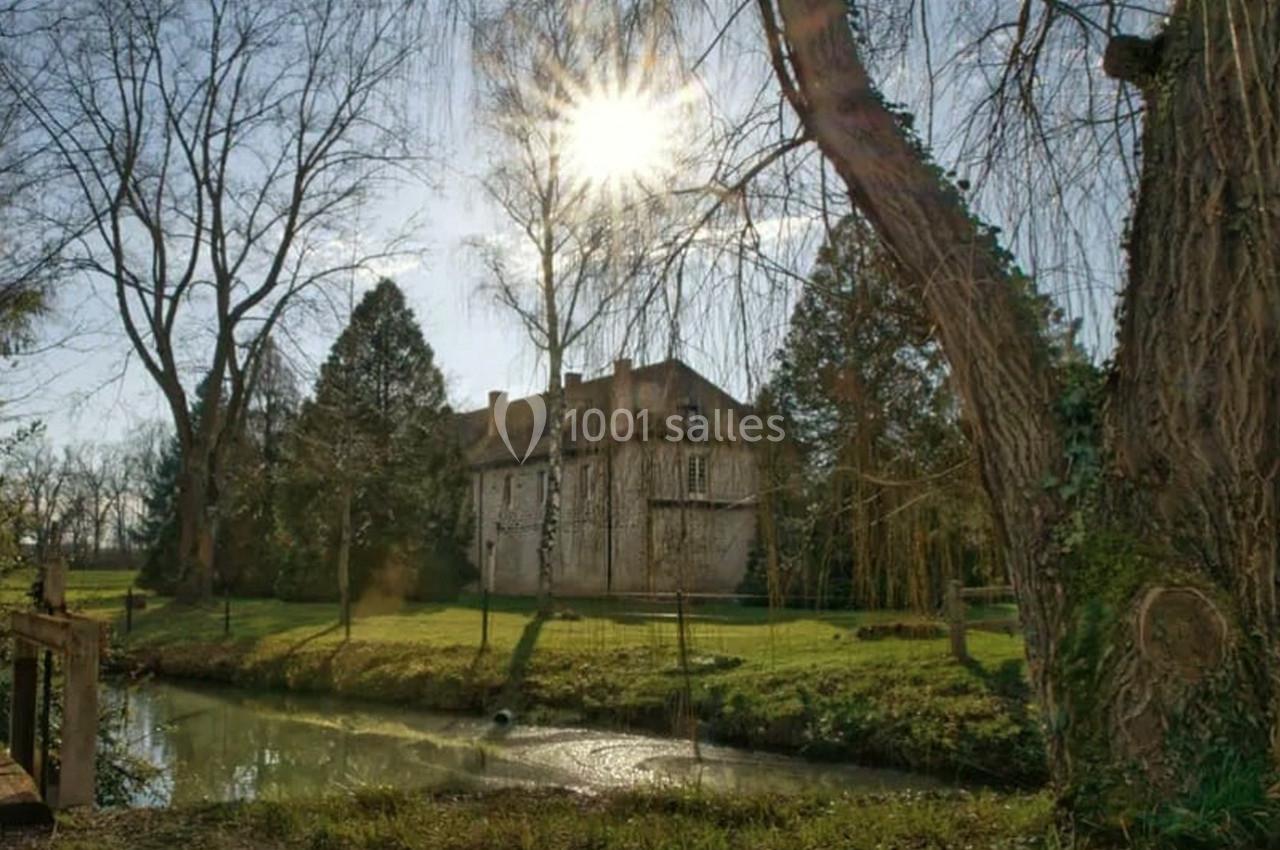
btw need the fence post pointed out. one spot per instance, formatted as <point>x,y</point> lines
<point>955,619</point>
<point>691,715</point>
<point>128,611</point>
<point>684,657</point>
<point>484,622</point>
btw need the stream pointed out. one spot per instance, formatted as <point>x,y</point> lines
<point>222,743</point>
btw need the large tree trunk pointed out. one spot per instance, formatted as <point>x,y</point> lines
<point>195,528</point>
<point>1149,606</point>
<point>1194,414</point>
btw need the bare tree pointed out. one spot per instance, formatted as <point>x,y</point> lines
<point>573,256</point>
<point>211,158</point>
<point>40,479</point>
<point>124,486</point>
<point>91,471</point>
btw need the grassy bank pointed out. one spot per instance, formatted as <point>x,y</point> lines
<point>792,681</point>
<point>386,820</point>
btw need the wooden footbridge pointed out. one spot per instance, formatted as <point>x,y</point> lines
<point>29,787</point>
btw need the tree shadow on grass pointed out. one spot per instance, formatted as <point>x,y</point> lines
<point>1006,680</point>
<point>519,665</point>
<point>309,638</point>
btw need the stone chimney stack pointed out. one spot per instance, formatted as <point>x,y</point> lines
<point>623,396</point>
<point>572,379</point>
<point>493,423</point>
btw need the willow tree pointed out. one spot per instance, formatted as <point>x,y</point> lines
<point>875,482</point>
<point>1139,517</point>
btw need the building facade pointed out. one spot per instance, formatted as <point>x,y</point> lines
<point>645,506</point>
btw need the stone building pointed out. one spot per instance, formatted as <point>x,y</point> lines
<point>651,501</point>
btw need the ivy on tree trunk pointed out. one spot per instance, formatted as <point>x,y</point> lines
<point>1139,518</point>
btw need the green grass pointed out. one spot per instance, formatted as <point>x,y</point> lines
<point>523,819</point>
<point>87,590</point>
<point>793,681</point>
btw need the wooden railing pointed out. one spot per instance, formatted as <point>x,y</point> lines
<point>955,610</point>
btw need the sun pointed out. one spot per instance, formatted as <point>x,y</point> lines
<point>616,138</point>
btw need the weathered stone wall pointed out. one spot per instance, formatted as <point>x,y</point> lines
<point>661,537</point>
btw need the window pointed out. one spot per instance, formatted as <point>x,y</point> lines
<point>585,482</point>
<point>506,492</point>
<point>697,475</point>
<point>542,485</point>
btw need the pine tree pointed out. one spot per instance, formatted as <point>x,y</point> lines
<point>157,533</point>
<point>873,501</point>
<point>250,549</point>
<point>374,469</point>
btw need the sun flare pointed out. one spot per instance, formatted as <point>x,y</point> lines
<point>617,138</point>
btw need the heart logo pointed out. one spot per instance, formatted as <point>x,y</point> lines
<point>539,408</point>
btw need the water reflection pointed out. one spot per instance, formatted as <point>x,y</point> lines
<point>226,744</point>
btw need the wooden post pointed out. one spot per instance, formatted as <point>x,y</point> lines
<point>486,580</point>
<point>226,608</point>
<point>344,561</point>
<point>79,718</point>
<point>955,620</point>
<point>128,611</point>
<point>684,659</point>
<point>22,706</point>
<point>46,713</point>
<point>691,716</point>
<point>55,584</point>
<point>78,639</point>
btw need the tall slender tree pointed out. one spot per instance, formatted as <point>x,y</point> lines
<point>536,61</point>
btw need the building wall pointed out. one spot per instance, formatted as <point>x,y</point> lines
<point>662,537</point>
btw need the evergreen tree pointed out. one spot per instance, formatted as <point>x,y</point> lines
<point>250,545</point>
<point>157,533</point>
<point>873,500</point>
<point>247,540</point>
<point>374,454</point>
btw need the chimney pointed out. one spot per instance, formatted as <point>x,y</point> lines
<point>493,423</point>
<point>622,394</point>
<point>572,379</point>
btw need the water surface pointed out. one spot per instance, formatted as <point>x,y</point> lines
<point>229,744</point>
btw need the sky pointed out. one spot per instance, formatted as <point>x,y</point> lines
<point>82,382</point>
<point>84,385</point>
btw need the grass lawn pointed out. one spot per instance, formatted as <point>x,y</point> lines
<point>792,681</point>
<point>87,590</point>
<point>662,819</point>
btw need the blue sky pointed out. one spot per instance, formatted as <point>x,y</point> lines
<point>85,386</point>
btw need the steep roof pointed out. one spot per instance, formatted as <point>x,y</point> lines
<point>660,388</point>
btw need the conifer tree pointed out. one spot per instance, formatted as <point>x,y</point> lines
<point>377,487</point>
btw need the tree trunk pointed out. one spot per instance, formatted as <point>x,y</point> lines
<point>1149,603</point>
<point>195,529</point>
<point>344,562</point>
<point>1194,412</point>
<point>555,384</point>
<point>555,476</point>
